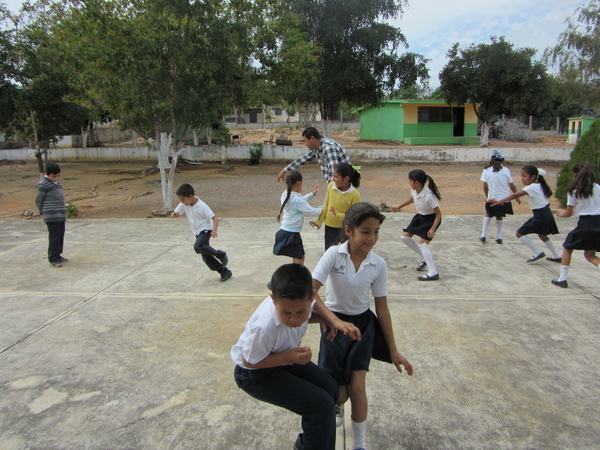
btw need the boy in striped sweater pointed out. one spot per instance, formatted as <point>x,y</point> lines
<point>50,201</point>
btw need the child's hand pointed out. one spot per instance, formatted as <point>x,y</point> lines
<point>493,202</point>
<point>332,331</point>
<point>348,329</point>
<point>300,355</point>
<point>174,214</point>
<point>431,233</point>
<point>518,200</point>
<point>396,208</point>
<point>332,211</point>
<point>315,190</point>
<point>314,224</point>
<point>213,234</point>
<point>400,361</point>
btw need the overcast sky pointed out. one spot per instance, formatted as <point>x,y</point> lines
<point>433,26</point>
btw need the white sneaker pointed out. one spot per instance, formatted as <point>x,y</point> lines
<point>339,415</point>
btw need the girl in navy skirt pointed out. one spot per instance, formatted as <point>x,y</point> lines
<point>583,199</point>
<point>425,223</point>
<point>497,183</point>
<point>352,271</point>
<point>542,223</point>
<point>293,206</point>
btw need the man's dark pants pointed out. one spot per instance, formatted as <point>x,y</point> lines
<point>306,390</point>
<point>210,256</point>
<point>56,239</point>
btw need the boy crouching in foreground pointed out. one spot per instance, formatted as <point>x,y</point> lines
<point>271,365</point>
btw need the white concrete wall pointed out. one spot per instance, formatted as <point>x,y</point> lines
<point>279,152</point>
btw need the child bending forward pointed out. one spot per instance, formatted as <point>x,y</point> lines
<point>271,366</point>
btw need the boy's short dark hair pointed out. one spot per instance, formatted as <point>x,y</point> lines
<point>292,281</point>
<point>311,132</point>
<point>52,168</point>
<point>185,190</point>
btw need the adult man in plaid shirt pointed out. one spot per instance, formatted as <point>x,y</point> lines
<point>327,152</point>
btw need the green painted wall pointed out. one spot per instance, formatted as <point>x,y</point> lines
<point>470,129</point>
<point>382,123</point>
<point>428,129</point>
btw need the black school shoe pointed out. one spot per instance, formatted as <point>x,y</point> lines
<point>551,259</point>
<point>535,258</point>
<point>55,264</point>
<point>482,239</point>
<point>562,284</point>
<point>226,276</point>
<point>421,266</point>
<point>498,241</point>
<point>429,278</point>
<point>63,260</point>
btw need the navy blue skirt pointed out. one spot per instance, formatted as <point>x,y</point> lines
<point>498,210</point>
<point>542,223</point>
<point>421,224</point>
<point>585,236</point>
<point>288,243</point>
<point>343,355</point>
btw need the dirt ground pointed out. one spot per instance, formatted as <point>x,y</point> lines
<point>132,190</point>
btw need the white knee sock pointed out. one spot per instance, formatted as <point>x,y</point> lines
<point>529,243</point>
<point>359,434</point>
<point>552,248</point>
<point>486,224</point>
<point>499,229</point>
<point>412,245</point>
<point>564,271</point>
<point>428,256</point>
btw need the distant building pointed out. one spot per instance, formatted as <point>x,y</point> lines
<point>419,122</point>
<point>577,127</point>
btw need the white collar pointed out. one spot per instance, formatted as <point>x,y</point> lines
<point>352,188</point>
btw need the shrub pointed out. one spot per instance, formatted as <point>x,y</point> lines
<point>72,210</point>
<point>586,150</point>
<point>256,154</point>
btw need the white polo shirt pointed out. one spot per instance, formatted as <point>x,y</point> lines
<point>424,201</point>
<point>347,290</point>
<point>265,334</point>
<point>497,182</point>
<point>586,206</point>
<point>535,196</point>
<point>199,216</point>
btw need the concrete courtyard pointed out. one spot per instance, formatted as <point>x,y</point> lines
<point>127,346</point>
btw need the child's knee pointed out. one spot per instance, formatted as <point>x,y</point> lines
<point>357,389</point>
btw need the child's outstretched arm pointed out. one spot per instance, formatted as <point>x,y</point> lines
<point>296,355</point>
<point>213,233</point>
<point>518,194</point>
<point>385,319</point>
<point>402,205</point>
<point>331,320</point>
<point>566,213</point>
<point>513,189</point>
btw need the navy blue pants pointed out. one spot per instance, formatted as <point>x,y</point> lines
<point>306,390</point>
<point>56,239</point>
<point>211,257</point>
<point>332,236</point>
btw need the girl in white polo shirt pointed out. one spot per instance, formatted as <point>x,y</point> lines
<point>497,183</point>
<point>542,223</point>
<point>583,199</point>
<point>352,271</point>
<point>425,223</point>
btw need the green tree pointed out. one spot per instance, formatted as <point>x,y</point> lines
<point>352,57</point>
<point>7,69</point>
<point>494,78</point>
<point>577,52</point>
<point>162,67</point>
<point>586,150</point>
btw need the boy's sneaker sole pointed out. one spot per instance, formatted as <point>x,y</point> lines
<point>55,264</point>
<point>226,276</point>
<point>339,415</point>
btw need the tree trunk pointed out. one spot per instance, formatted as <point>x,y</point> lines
<point>327,127</point>
<point>209,135</point>
<point>195,134</point>
<point>166,179</point>
<point>485,135</point>
<point>84,136</point>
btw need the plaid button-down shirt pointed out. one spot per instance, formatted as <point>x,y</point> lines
<point>329,155</point>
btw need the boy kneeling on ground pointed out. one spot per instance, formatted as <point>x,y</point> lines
<point>272,367</point>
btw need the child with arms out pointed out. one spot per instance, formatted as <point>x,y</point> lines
<point>294,206</point>
<point>342,193</point>
<point>204,224</point>
<point>497,183</point>
<point>542,223</point>
<point>583,200</point>
<point>50,200</point>
<point>425,223</point>
<point>352,271</point>
<point>271,366</point>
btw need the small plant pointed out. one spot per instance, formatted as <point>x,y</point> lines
<point>256,154</point>
<point>72,210</point>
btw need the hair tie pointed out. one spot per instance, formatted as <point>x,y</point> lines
<point>541,172</point>
<point>497,156</point>
<point>357,168</point>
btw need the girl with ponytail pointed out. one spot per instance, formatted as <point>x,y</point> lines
<point>288,241</point>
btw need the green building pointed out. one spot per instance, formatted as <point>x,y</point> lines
<point>419,122</point>
<point>578,126</point>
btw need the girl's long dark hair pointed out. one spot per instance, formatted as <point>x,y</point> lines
<point>530,170</point>
<point>357,214</point>
<point>290,180</point>
<point>584,180</point>
<point>346,170</point>
<point>421,177</point>
<point>496,164</point>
